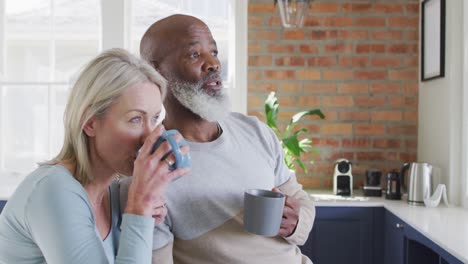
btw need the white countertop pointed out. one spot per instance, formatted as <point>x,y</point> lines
<point>445,226</point>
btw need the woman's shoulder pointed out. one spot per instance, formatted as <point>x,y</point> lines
<point>52,181</point>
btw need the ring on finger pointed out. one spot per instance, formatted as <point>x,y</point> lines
<point>169,162</point>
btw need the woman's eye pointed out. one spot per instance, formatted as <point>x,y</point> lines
<point>195,55</point>
<point>136,119</point>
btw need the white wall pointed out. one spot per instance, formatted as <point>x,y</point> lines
<point>440,108</point>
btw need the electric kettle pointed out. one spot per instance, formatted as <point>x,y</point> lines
<point>419,181</point>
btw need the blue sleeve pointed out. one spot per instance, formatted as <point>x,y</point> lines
<point>61,223</point>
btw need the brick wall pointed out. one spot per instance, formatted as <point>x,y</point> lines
<point>355,60</point>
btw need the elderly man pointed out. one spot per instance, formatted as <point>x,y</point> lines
<point>230,152</point>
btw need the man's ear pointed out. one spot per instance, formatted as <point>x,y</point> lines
<point>90,127</point>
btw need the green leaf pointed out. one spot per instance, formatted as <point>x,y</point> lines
<point>300,115</point>
<point>271,110</point>
<point>301,165</point>
<point>293,145</point>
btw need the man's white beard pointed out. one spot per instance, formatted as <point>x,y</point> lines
<point>193,97</point>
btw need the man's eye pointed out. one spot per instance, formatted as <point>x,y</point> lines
<point>155,119</point>
<point>195,55</point>
<point>136,119</point>
<point>215,53</point>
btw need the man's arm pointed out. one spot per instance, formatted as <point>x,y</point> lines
<point>306,213</point>
<point>163,255</point>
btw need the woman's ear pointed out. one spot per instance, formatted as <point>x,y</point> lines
<point>90,127</point>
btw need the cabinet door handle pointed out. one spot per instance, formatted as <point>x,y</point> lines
<point>400,226</point>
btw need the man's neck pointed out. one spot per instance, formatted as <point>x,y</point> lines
<point>190,125</point>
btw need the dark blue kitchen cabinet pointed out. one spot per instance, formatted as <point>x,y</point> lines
<point>406,245</point>
<point>393,239</point>
<point>364,235</point>
<point>2,204</point>
<point>346,235</point>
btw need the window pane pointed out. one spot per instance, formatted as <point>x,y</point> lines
<point>24,126</point>
<point>214,13</point>
<point>60,97</point>
<point>27,30</point>
<point>71,33</point>
<point>76,35</point>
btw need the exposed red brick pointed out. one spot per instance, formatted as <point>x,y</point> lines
<point>254,75</point>
<point>386,115</point>
<point>412,8</point>
<point>338,48</point>
<point>254,48</point>
<point>309,48</point>
<point>401,101</point>
<point>369,129</point>
<point>353,88</point>
<point>385,88</point>
<point>289,87</point>
<point>339,21</point>
<point>320,88</point>
<point>294,34</point>
<point>323,34</point>
<point>369,101</point>
<point>357,7</point>
<point>402,48</point>
<point>356,142</point>
<point>356,61</point>
<point>260,60</point>
<point>308,74</point>
<point>370,75</point>
<point>403,22</point>
<point>322,61</point>
<point>388,8</point>
<point>411,116</point>
<point>336,129</point>
<point>338,74</point>
<point>347,115</point>
<point>280,48</point>
<point>290,61</point>
<point>255,21</point>
<point>337,101</point>
<point>386,61</point>
<point>263,34</point>
<point>370,22</point>
<point>309,101</point>
<point>354,34</point>
<point>324,8</point>
<point>263,87</point>
<point>279,74</point>
<point>412,35</point>
<point>402,129</point>
<point>261,8</point>
<point>403,74</point>
<point>313,21</point>
<point>387,35</point>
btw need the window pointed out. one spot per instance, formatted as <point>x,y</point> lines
<point>44,43</point>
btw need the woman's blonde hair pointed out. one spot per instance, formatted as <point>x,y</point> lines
<point>100,83</point>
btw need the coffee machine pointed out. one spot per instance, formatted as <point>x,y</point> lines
<point>343,178</point>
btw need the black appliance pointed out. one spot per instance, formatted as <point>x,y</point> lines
<point>394,182</point>
<point>373,187</point>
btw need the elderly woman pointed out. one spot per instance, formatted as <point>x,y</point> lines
<point>67,210</point>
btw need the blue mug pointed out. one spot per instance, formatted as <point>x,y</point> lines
<point>181,161</point>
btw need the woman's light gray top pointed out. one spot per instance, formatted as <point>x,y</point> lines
<point>49,219</point>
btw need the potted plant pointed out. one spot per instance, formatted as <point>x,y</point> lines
<point>289,137</point>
